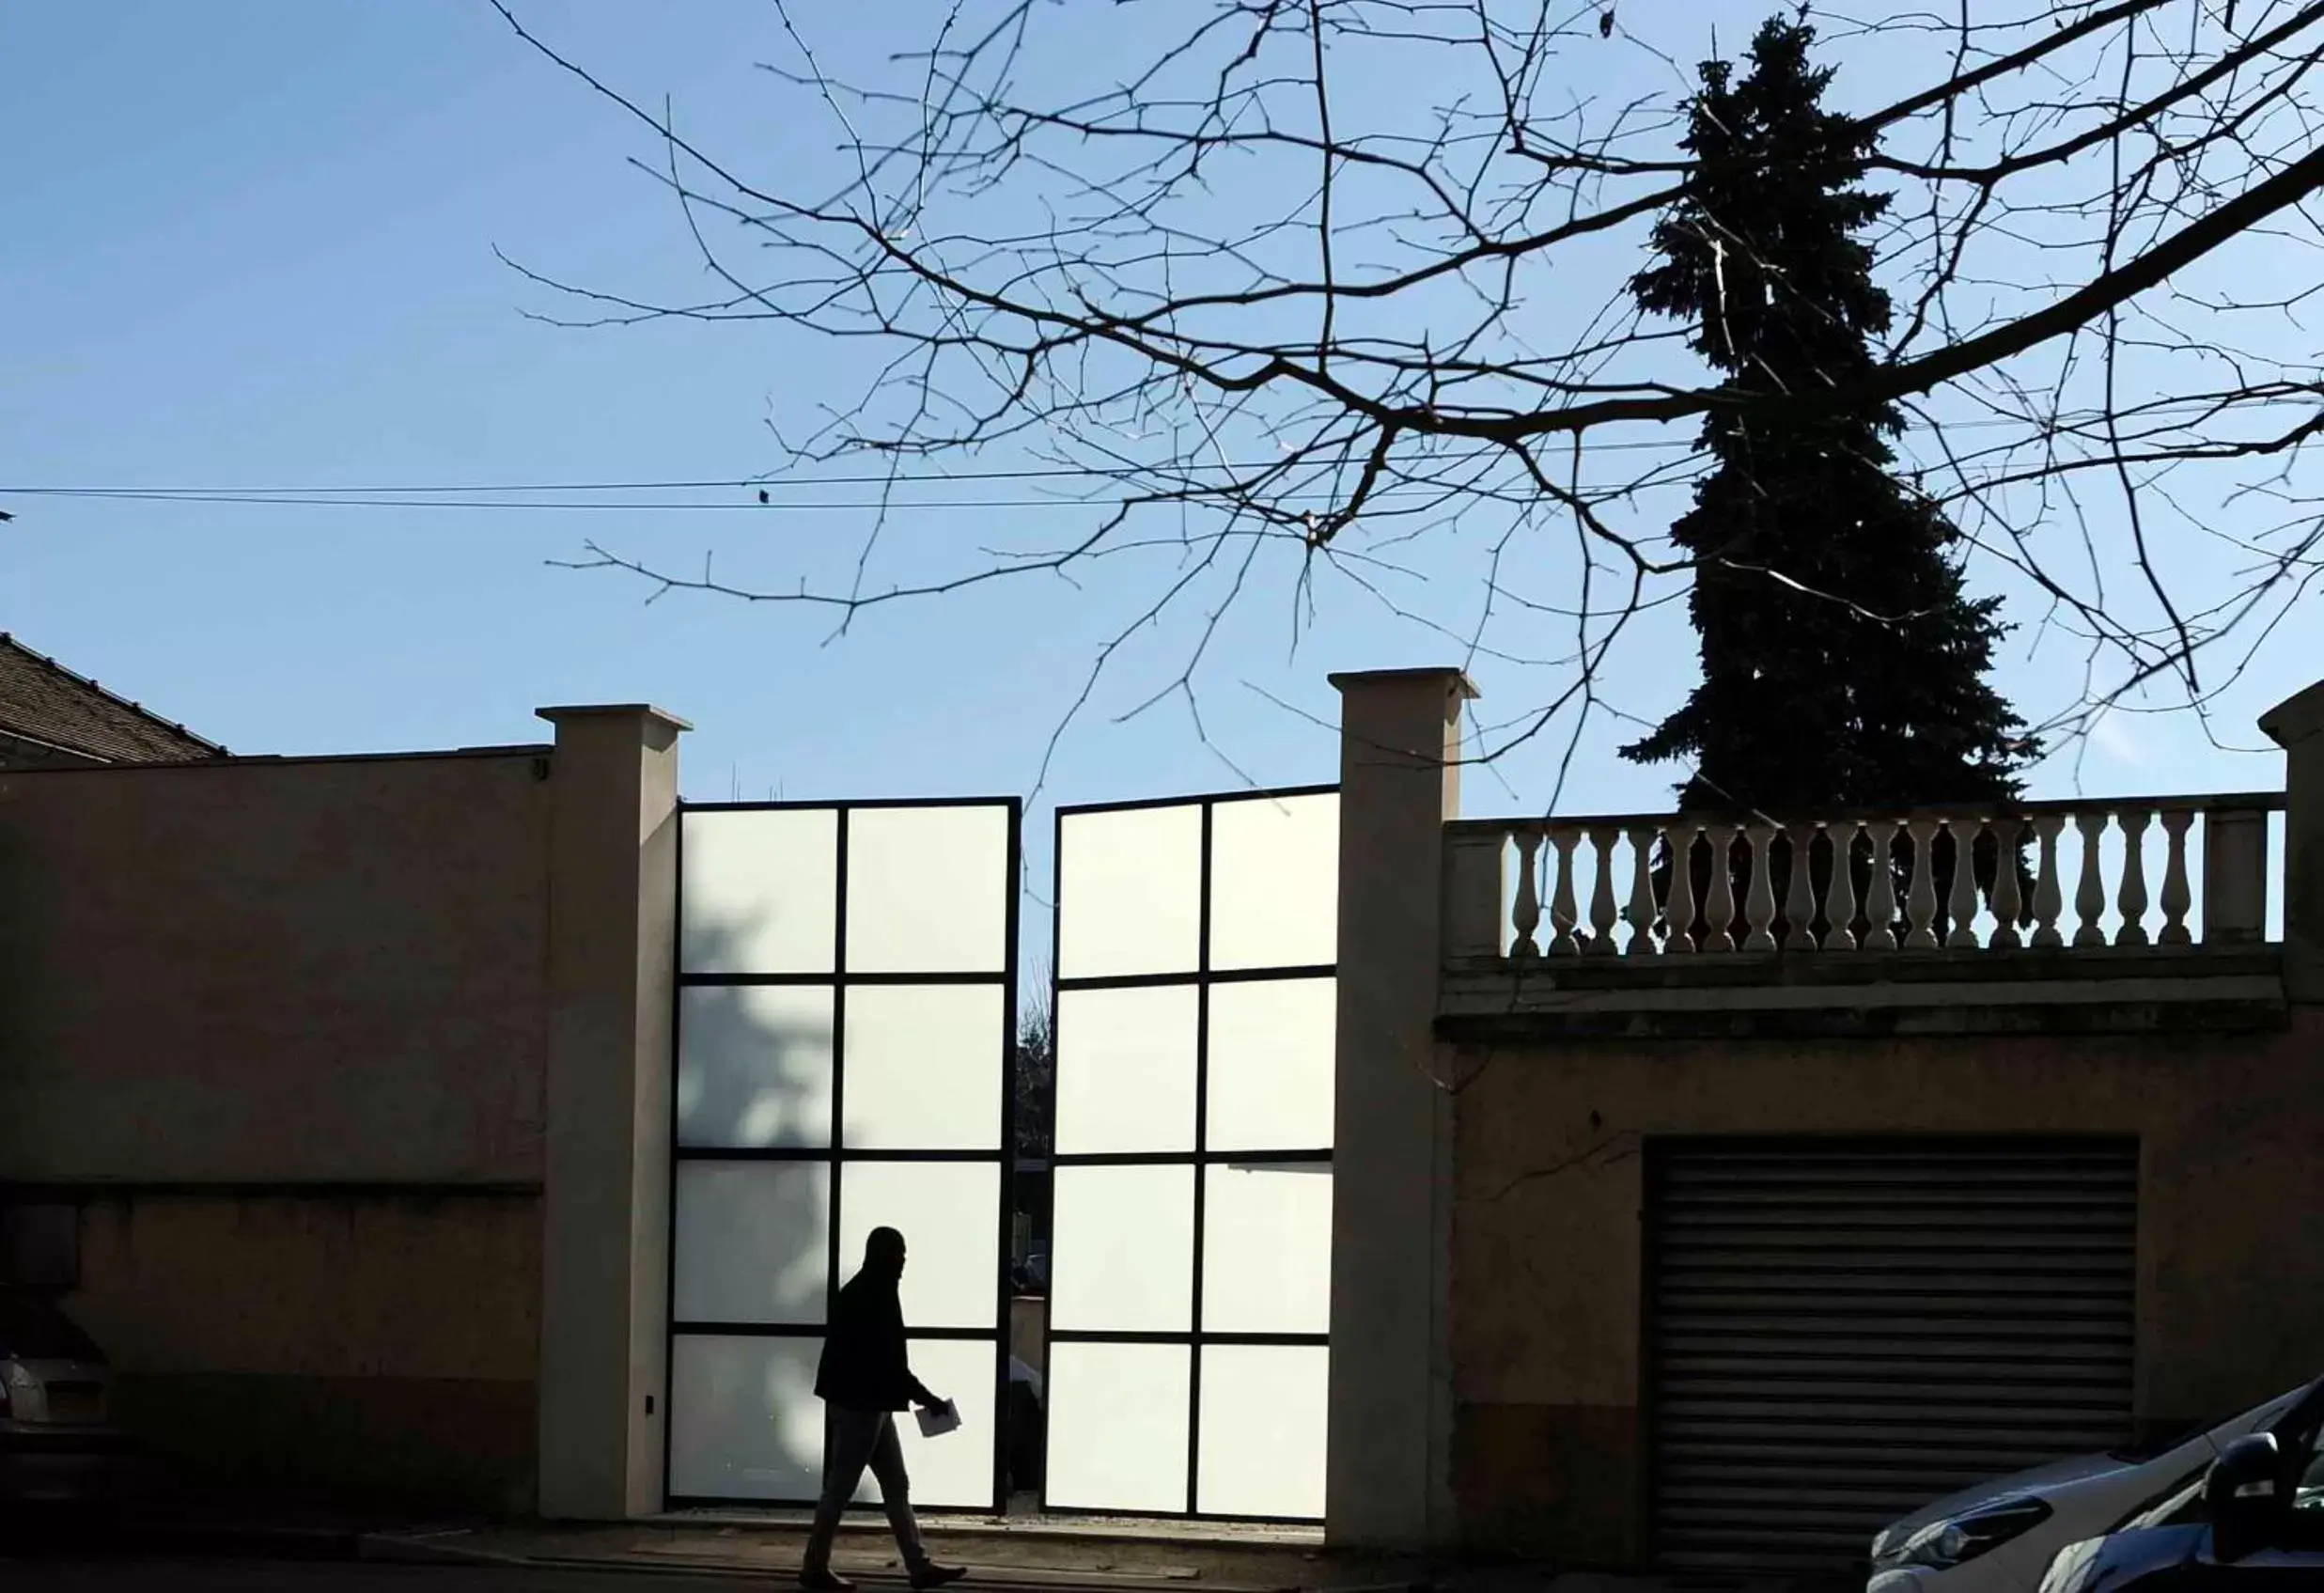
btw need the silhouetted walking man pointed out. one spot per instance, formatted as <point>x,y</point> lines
<point>864,1377</point>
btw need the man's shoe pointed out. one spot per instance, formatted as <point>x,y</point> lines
<point>824,1582</point>
<point>933,1575</point>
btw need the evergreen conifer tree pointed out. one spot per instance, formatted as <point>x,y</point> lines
<point>1843,664</point>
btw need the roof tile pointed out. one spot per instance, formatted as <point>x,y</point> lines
<point>41,700</point>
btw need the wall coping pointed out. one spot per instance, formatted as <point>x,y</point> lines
<point>1736,974</point>
<point>558,715</point>
<point>2112,990</point>
<point>2296,718</point>
<point>284,760</point>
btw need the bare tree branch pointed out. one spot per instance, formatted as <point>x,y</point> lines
<point>1322,296</point>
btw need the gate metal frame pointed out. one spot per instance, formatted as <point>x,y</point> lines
<point>835,1155</point>
<point>1201,1159</point>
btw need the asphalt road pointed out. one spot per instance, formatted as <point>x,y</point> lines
<point>50,1575</point>
<point>46,1574</point>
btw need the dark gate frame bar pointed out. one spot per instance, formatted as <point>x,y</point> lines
<point>1215,976</point>
<point>1202,977</point>
<point>1201,1183</point>
<point>1192,1158</point>
<point>814,1329</point>
<point>1232,1340</point>
<point>812,1153</point>
<point>836,1154</point>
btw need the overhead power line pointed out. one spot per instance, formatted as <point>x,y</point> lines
<point>1087,473</point>
<point>731,484</point>
<point>859,506</point>
<point>466,496</point>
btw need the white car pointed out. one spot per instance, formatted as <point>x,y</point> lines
<point>2000,1536</point>
<point>56,1441</point>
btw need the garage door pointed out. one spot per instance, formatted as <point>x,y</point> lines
<point>1842,1331</point>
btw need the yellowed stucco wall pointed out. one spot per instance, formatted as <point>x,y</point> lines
<point>1548,1222</point>
<point>368,1348</point>
<point>274,971</point>
<point>278,1030</point>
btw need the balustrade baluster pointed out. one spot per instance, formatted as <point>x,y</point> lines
<point>1759,900</point>
<point>1641,891</point>
<point>1840,890</point>
<point>1602,914</point>
<point>1962,906</point>
<point>1800,904</point>
<point>2048,901</point>
<point>2177,897</point>
<point>1718,906</point>
<point>2090,895</point>
<point>1905,907</point>
<point>1880,900</point>
<point>1527,917</point>
<point>1561,898</point>
<point>1678,846</point>
<point>2009,899</point>
<point>1921,901</point>
<point>2236,876</point>
<point>2132,900</point>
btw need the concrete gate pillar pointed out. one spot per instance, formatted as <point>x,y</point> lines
<point>2296,725</point>
<point>612,902</point>
<point>1387,1481</point>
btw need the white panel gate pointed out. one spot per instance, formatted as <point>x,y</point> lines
<point>845,1016</point>
<point>1190,1294</point>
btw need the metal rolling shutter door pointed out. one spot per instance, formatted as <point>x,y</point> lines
<point>1842,1331</point>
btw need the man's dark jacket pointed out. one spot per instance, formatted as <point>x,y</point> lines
<point>864,1367</point>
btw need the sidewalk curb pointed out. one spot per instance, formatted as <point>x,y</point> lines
<point>391,1549</point>
<point>424,1547</point>
<point>979,1528</point>
<point>979,1576</point>
<point>410,1547</point>
<point>387,1549</point>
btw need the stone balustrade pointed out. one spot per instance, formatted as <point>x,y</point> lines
<point>2108,872</point>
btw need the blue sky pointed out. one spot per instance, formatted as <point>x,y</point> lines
<point>250,242</point>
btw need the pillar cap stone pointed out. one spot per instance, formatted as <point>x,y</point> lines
<point>1452,676</point>
<point>645,710</point>
<point>2295,719</point>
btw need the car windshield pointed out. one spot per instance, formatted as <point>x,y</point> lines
<point>2167,1439</point>
<point>2181,1505</point>
<point>31,1329</point>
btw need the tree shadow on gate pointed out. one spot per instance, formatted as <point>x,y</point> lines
<point>752,1232</point>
